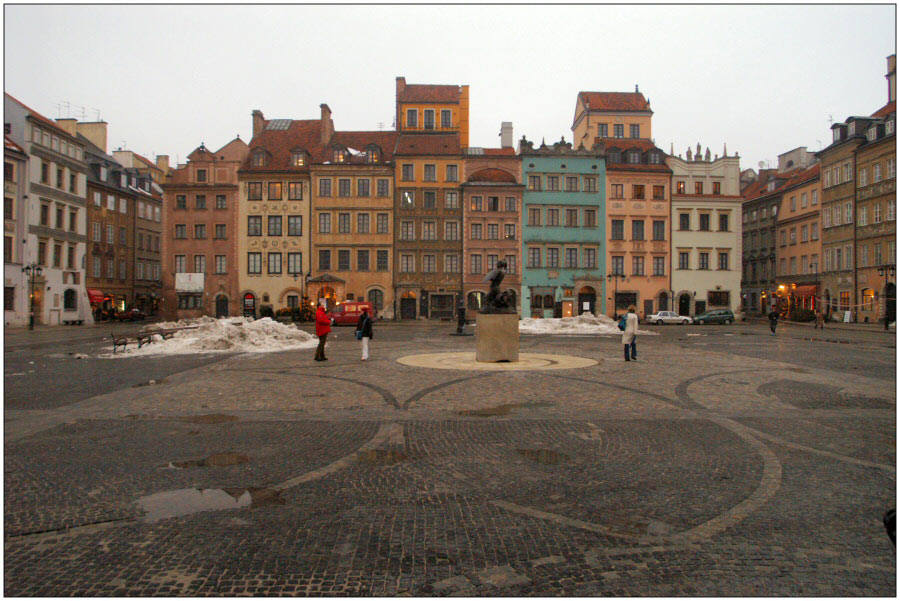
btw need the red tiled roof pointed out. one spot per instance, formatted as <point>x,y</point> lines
<point>10,145</point>
<point>624,144</point>
<point>147,161</point>
<point>429,93</point>
<point>615,101</point>
<point>890,107</point>
<point>358,140</point>
<point>235,150</point>
<point>759,188</point>
<point>492,175</point>
<point>428,144</point>
<point>500,152</point>
<point>302,134</point>
<point>37,115</point>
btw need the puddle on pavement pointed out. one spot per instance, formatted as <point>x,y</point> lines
<point>187,501</point>
<point>545,456</point>
<point>504,409</point>
<point>387,456</point>
<point>217,460</point>
<point>214,418</point>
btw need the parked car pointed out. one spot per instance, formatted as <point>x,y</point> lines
<point>131,314</point>
<point>718,316</point>
<point>664,317</point>
<point>347,314</point>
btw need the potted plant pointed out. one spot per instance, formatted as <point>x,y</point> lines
<point>284,315</point>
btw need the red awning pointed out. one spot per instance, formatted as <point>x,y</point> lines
<point>94,296</point>
<point>805,291</point>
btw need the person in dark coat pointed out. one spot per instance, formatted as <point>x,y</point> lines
<point>364,332</point>
<point>773,320</point>
<point>323,326</point>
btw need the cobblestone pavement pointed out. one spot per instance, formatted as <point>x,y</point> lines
<point>725,463</point>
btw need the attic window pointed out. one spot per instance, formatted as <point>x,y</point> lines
<point>870,135</point>
<point>634,157</point>
<point>771,186</point>
<point>837,134</point>
<point>371,155</point>
<point>259,159</point>
<point>298,158</point>
<point>852,127</point>
<point>614,156</point>
<point>889,127</point>
<point>654,158</point>
<point>338,155</point>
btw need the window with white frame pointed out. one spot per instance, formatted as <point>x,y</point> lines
<point>876,173</point>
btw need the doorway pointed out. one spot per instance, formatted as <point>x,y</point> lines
<point>890,294</point>
<point>221,306</point>
<point>648,308</point>
<point>408,305</point>
<point>587,295</point>
<point>684,305</point>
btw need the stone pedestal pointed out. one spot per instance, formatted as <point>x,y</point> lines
<point>497,337</point>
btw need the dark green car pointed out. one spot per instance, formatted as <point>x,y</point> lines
<point>718,316</point>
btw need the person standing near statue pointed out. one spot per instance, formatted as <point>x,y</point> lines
<point>364,332</point>
<point>323,326</point>
<point>629,334</point>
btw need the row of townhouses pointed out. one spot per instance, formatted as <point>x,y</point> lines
<point>819,231</point>
<point>413,219</point>
<point>410,219</point>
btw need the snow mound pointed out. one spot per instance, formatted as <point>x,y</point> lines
<point>230,335</point>
<point>583,324</point>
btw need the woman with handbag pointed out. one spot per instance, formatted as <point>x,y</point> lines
<point>364,332</point>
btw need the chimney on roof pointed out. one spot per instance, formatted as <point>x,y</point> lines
<point>68,125</point>
<point>636,91</point>
<point>401,86</point>
<point>258,121</point>
<point>892,77</point>
<point>506,134</point>
<point>95,132</point>
<point>327,128</point>
<point>162,161</point>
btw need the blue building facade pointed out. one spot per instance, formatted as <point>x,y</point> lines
<point>563,230</point>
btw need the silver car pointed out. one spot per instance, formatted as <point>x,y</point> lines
<point>664,317</point>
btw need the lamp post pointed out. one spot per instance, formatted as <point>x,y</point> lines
<point>615,277</point>
<point>887,271</point>
<point>32,271</point>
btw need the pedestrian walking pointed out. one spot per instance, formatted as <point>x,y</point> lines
<point>773,320</point>
<point>629,334</point>
<point>323,326</point>
<point>820,319</point>
<point>364,332</point>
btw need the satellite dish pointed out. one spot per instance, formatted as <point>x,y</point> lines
<point>761,164</point>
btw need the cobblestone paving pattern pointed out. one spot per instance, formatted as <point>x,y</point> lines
<point>691,472</point>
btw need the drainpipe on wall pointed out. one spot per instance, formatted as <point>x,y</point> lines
<point>854,216</point>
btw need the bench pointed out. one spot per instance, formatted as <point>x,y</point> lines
<point>141,338</point>
<point>117,342</point>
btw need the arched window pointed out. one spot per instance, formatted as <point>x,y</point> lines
<point>376,297</point>
<point>548,301</point>
<point>537,301</point>
<point>475,300</point>
<point>70,300</point>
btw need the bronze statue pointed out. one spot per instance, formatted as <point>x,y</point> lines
<point>496,301</point>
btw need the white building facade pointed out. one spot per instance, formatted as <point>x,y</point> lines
<point>706,233</point>
<point>15,182</point>
<point>54,214</point>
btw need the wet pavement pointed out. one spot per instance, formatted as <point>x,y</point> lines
<point>728,463</point>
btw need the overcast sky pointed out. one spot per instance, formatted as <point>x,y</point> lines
<point>763,79</point>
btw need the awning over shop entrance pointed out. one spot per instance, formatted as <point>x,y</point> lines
<point>94,296</point>
<point>804,291</point>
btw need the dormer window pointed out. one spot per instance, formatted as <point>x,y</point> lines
<point>836,132</point>
<point>654,158</point>
<point>298,158</point>
<point>889,127</point>
<point>872,133</point>
<point>634,157</point>
<point>339,155</point>
<point>258,159</point>
<point>614,156</point>
<point>852,128</point>
<point>124,180</point>
<point>771,186</point>
<point>371,155</point>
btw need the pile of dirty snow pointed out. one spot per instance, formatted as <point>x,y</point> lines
<point>228,334</point>
<point>583,324</point>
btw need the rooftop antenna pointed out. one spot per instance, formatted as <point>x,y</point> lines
<point>98,113</point>
<point>68,108</point>
<point>380,125</point>
<point>124,145</point>
<point>83,113</point>
<point>58,110</point>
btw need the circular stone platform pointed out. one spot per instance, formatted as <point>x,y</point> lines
<point>467,361</point>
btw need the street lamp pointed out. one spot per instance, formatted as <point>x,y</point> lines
<point>886,271</point>
<point>32,271</point>
<point>615,276</point>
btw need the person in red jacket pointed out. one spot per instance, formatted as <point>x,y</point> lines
<point>323,326</point>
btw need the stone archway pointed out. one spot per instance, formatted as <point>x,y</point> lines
<point>662,301</point>
<point>684,302</point>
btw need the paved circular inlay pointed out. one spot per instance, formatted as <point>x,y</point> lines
<point>467,361</point>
